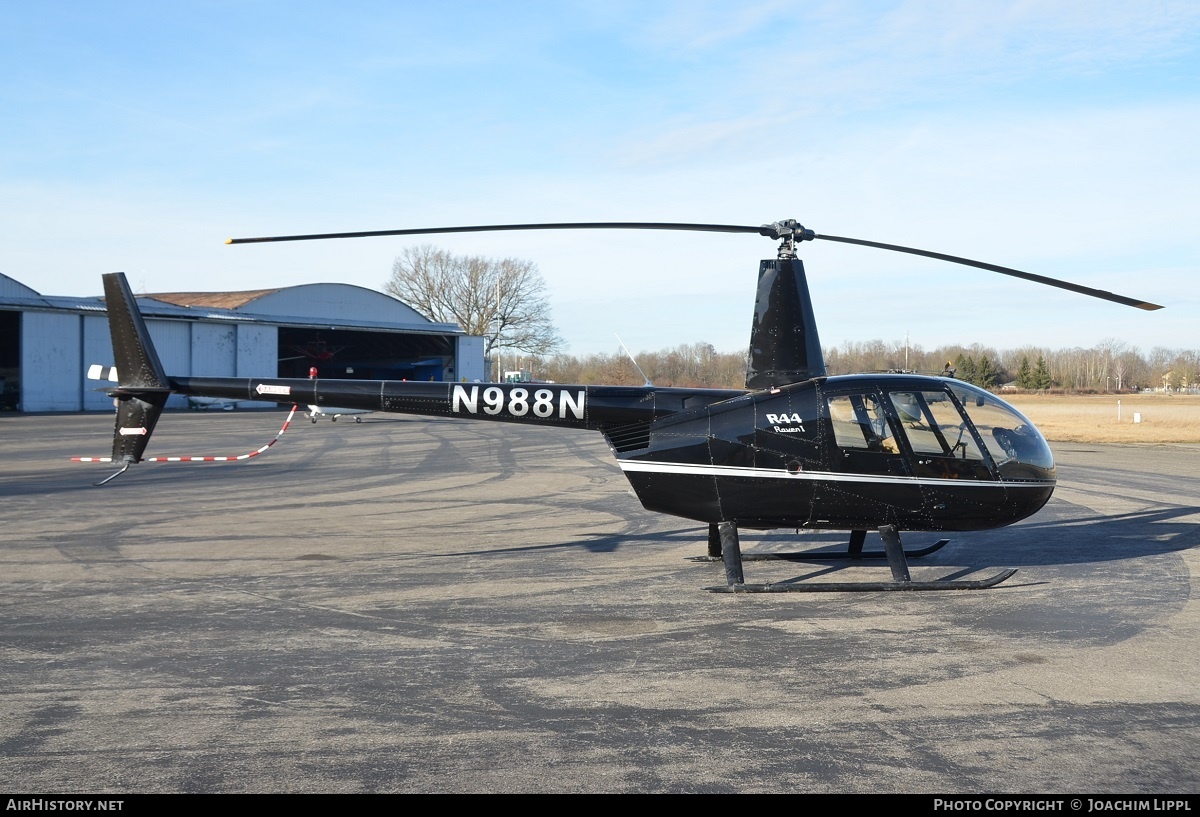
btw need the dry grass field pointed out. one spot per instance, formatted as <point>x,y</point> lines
<point>1092,418</point>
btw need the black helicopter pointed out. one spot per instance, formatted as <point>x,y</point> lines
<point>794,449</point>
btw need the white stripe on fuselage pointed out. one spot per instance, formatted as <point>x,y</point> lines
<point>823,476</point>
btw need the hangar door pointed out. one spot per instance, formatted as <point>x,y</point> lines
<point>10,360</point>
<point>362,355</point>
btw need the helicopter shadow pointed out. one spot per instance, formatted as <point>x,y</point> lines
<point>601,543</point>
<point>1066,539</point>
<point>1063,539</point>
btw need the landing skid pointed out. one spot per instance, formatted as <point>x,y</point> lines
<point>723,538</point>
<point>862,587</point>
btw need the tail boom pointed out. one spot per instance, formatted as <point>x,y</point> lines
<point>143,388</point>
<point>585,407</point>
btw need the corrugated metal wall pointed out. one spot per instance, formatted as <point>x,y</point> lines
<point>97,348</point>
<point>213,350</point>
<point>57,348</point>
<point>51,366</point>
<point>257,350</point>
<point>173,340</point>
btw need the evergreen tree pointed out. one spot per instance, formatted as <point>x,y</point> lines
<point>964,366</point>
<point>1041,375</point>
<point>1025,374</point>
<point>985,374</point>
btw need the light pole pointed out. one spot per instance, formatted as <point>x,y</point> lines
<point>499,324</point>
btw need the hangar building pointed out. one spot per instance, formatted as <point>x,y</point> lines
<point>48,342</point>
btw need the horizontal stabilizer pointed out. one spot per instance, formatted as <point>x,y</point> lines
<point>99,372</point>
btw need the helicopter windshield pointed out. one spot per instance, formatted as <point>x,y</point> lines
<point>1018,448</point>
<point>934,423</point>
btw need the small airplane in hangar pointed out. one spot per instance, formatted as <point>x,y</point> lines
<point>333,413</point>
<point>794,449</point>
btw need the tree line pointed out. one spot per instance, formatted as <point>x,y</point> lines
<point>1110,366</point>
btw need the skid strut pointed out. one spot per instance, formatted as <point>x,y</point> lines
<point>726,538</point>
<point>854,550</point>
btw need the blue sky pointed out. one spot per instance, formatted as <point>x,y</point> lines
<point>1056,137</point>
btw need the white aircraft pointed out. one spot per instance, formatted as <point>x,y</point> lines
<point>315,412</point>
<point>205,403</point>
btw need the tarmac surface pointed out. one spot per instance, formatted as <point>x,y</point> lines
<point>412,605</point>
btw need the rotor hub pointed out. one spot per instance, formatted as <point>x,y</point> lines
<point>788,232</point>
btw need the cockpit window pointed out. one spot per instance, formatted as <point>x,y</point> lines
<point>859,422</point>
<point>964,427</point>
<point>938,430</point>
<point>934,425</point>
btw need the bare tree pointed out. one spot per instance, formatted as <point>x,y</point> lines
<point>503,301</point>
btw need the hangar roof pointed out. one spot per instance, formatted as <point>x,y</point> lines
<point>222,300</point>
<point>13,287</point>
<point>346,305</point>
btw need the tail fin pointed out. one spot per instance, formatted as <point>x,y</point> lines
<point>142,387</point>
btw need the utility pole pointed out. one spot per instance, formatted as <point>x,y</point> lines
<point>496,342</point>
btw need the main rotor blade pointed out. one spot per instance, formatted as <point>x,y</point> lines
<point>1028,276</point>
<point>777,230</point>
<point>486,228</point>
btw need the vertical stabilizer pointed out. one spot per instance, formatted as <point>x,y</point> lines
<point>142,388</point>
<point>137,362</point>
<point>784,346</point>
